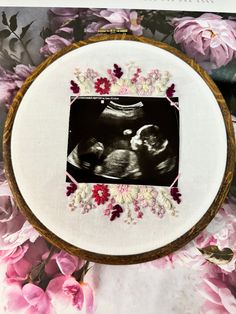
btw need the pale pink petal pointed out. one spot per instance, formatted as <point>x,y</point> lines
<point>67,263</point>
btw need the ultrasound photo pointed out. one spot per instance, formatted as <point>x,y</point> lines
<point>123,140</point>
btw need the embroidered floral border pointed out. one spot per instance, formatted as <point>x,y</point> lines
<point>116,200</point>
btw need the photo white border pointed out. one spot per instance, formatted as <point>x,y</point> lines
<point>227,6</point>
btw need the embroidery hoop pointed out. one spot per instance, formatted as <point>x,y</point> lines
<point>119,259</point>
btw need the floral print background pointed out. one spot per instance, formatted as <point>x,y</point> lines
<point>39,278</point>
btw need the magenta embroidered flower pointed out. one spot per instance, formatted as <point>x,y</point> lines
<point>136,76</point>
<point>102,86</point>
<point>117,71</point>
<point>100,193</point>
<point>74,87</point>
<point>71,189</point>
<point>170,91</point>
<point>208,38</point>
<point>116,211</point>
<point>175,194</point>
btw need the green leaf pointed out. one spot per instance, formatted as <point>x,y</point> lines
<point>25,29</point>
<point>12,43</point>
<point>4,33</point>
<point>4,18</point>
<point>13,22</point>
<point>216,256</point>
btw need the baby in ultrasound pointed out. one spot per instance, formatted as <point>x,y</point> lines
<point>144,155</point>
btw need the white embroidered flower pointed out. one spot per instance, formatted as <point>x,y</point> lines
<point>144,86</point>
<point>124,193</point>
<point>82,193</point>
<point>164,200</point>
<point>123,87</point>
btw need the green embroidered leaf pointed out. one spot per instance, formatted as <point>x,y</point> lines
<point>4,18</point>
<point>216,256</point>
<point>12,43</point>
<point>13,22</point>
<point>4,33</point>
<point>25,29</point>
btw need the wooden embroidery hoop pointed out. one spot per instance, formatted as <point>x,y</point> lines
<point>114,259</point>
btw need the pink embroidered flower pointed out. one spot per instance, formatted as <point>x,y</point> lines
<point>208,38</point>
<point>100,193</point>
<point>53,44</point>
<point>144,86</point>
<point>102,86</point>
<point>11,81</point>
<point>219,290</point>
<point>118,19</point>
<point>123,193</point>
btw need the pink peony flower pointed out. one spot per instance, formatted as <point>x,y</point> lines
<point>53,44</point>
<point>21,268</point>
<point>163,262</point>
<point>65,291</point>
<point>67,263</point>
<point>62,263</point>
<point>14,230</point>
<point>30,298</point>
<point>219,289</point>
<point>14,255</point>
<point>118,19</point>
<point>11,81</point>
<point>208,38</point>
<point>61,16</point>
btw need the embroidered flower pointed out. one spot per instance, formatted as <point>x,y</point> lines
<point>154,75</point>
<point>170,91</point>
<point>100,193</point>
<point>175,194</point>
<point>117,210</point>
<point>124,193</point>
<point>82,193</point>
<point>144,86</point>
<point>147,196</point>
<point>136,76</point>
<point>123,87</point>
<point>71,189</point>
<point>102,86</point>
<point>74,87</point>
<point>117,71</point>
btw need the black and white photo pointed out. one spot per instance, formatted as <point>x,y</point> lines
<point>123,140</point>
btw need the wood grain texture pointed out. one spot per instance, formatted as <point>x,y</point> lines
<point>129,259</point>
